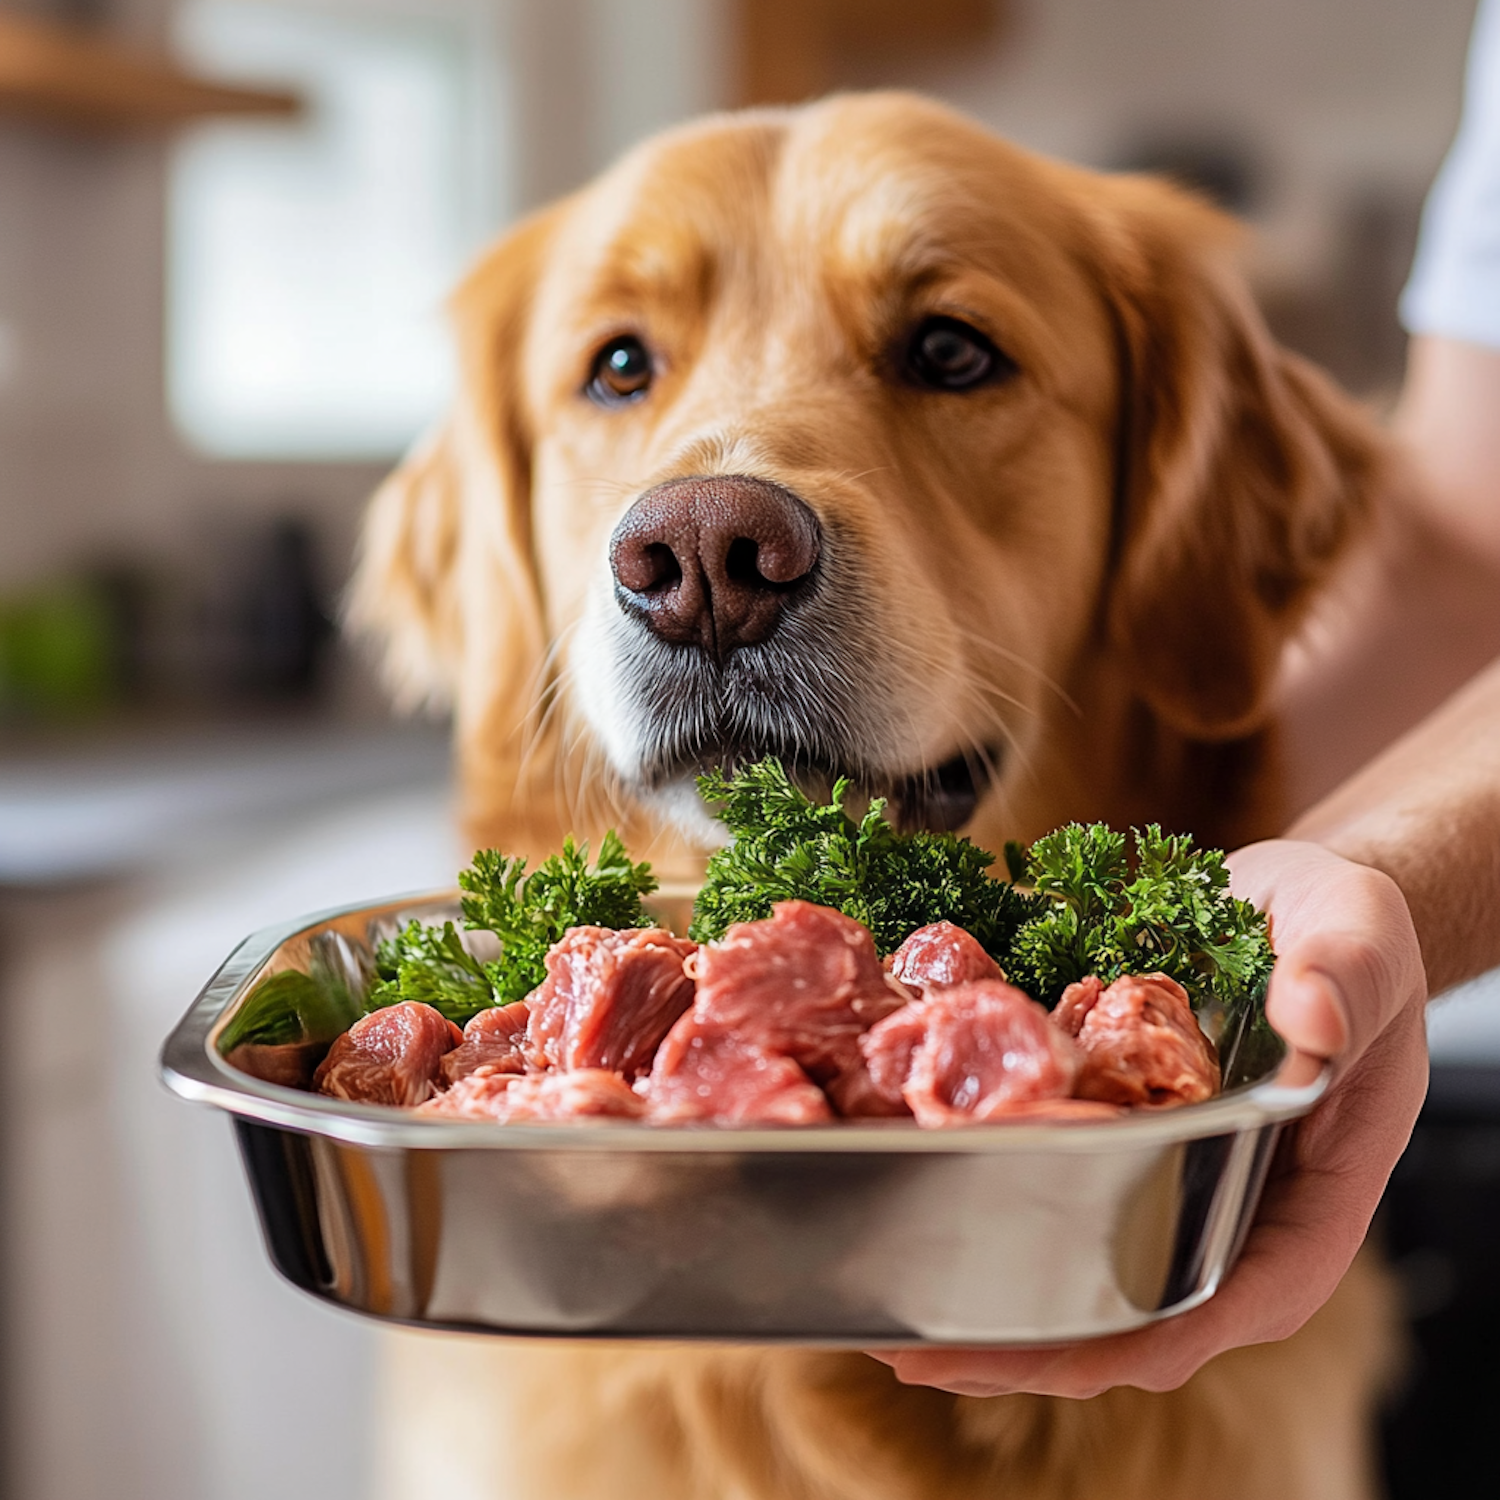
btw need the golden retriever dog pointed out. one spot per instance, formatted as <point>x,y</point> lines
<point>853,434</point>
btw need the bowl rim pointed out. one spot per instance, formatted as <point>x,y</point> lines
<point>192,1068</point>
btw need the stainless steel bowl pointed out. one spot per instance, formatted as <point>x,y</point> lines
<point>860,1234</point>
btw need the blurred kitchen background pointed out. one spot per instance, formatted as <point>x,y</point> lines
<point>226,228</point>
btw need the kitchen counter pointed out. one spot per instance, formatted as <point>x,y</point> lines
<point>150,1352</point>
<point>132,799</point>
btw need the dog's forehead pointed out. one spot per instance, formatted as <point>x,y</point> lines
<point>673,209</point>
<point>871,187</point>
<point>889,181</point>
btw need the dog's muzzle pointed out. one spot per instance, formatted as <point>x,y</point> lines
<point>744,629</point>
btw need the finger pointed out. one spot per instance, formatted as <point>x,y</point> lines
<point>1335,989</point>
<point>1347,956</point>
<point>1296,885</point>
<point>1308,1009</point>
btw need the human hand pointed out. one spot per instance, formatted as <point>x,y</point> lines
<point>1348,986</point>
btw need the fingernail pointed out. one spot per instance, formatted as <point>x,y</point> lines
<point>1338,1034</point>
<point>1299,1070</point>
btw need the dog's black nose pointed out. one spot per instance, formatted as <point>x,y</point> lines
<point>712,561</point>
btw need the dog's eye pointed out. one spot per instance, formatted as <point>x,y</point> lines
<point>950,356</point>
<point>622,371</point>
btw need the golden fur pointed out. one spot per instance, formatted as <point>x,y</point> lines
<point>473,1420</point>
<point>1094,566</point>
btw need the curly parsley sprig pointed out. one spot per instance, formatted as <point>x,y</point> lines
<point>787,847</point>
<point>431,965</point>
<point>1173,914</point>
<point>526,913</point>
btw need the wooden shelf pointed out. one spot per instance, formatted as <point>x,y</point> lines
<point>791,50</point>
<point>68,75</point>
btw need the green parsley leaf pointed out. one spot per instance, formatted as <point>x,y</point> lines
<point>430,965</point>
<point>786,847</point>
<point>290,1008</point>
<point>1173,915</point>
<point>527,913</point>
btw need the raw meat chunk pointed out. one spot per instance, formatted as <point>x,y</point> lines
<point>804,984</point>
<point>493,1043</point>
<point>608,999</point>
<point>1140,1041</point>
<point>857,1097</point>
<point>291,1064</point>
<point>475,1096</point>
<point>802,980</point>
<point>709,1075</point>
<point>391,1056</point>
<point>888,1051</point>
<point>573,1095</point>
<point>508,1098</point>
<point>942,954</point>
<point>984,1049</point>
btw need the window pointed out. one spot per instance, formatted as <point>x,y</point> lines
<point>308,261</point>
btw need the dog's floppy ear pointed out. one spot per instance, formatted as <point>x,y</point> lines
<point>1243,471</point>
<point>445,581</point>
<point>403,592</point>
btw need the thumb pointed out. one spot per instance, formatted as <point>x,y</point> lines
<point>1308,1009</point>
<point>1347,958</point>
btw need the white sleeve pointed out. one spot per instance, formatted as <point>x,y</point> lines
<point>1454,288</point>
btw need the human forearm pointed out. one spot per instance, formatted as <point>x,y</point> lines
<point>1420,617</point>
<point>1418,613</point>
<point>1427,812</point>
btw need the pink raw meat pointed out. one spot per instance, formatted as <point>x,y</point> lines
<point>608,999</point>
<point>391,1056</point>
<point>509,1098</point>
<point>804,984</point>
<point>493,1042</point>
<point>985,1048</point>
<point>706,1074</point>
<point>1140,1041</point>
<point>888,1051</point>
<point>942,954</point>
<point>475,1096</point>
